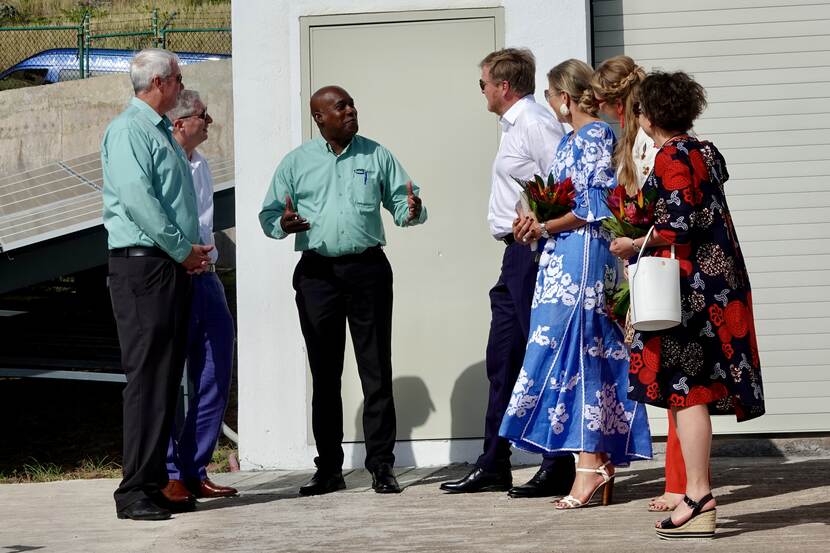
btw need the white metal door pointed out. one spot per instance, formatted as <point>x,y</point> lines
<point>414,78</point>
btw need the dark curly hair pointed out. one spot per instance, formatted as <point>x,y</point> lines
<point>671,101</point>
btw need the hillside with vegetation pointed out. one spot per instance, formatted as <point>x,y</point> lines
<point>28,27</point>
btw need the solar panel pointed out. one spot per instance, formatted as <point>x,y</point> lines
<point>62,198</point>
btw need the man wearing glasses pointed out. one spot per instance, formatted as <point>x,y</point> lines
<point>530,137</point>
<point>210,339</point>
<point>153,239</point>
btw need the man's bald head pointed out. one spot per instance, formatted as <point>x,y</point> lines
<point>323,93</point>
<point>333,110</point>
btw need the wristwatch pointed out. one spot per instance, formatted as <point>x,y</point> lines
<point>635,247</point>
<point>544,231</point>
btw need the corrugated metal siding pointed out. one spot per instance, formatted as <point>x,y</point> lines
<point>766,67</point>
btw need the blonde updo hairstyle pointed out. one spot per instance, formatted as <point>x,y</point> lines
<point>616,80</point>
<point>574,77</point>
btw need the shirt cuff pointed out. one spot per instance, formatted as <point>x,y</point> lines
<point>181,251</point>
<point>422,217</point>
<point>276,231</point>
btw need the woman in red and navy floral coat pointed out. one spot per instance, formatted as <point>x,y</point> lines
<point>709,363</point>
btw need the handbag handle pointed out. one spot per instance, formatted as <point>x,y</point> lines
<point>643,248</point>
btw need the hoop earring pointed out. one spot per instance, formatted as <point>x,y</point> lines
<point>564,111</point>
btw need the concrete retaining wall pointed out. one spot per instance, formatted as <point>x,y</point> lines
<point>43,124</point>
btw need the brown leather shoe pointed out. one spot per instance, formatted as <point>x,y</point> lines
<point>176,492</point>
<point>206,488</point>
<point>176,498</point>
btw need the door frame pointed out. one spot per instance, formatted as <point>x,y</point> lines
<point>408,16</point>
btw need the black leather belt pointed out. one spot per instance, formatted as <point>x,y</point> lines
<point>139,251</point>
<point>508,239</point>
<point>369,253</point>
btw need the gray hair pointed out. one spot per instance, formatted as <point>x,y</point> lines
<point>185,105</point>
<point>149,63</point>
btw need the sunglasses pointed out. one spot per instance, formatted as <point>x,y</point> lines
<point>637,109</point>
<point>203,116</point>
<point>548,93</point>
<point>482,83</point>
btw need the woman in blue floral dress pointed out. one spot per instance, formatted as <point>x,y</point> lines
<point>571,394</point>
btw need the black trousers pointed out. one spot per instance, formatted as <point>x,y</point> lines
<point>151,304</point>
<point>510,301</point>
<point>330,291</point>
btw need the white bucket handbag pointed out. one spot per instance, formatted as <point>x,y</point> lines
<point>655,291</point>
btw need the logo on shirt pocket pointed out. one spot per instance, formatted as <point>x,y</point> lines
<point>365,190</point>
<point>362,174</point>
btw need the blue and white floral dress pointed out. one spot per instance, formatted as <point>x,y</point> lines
<point>571,394</point>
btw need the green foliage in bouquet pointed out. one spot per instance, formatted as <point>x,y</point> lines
<point>617,301</point>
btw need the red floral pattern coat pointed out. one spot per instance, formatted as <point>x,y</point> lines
<point>712,357</point>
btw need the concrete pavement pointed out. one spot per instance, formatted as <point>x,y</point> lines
<point>765,504</point>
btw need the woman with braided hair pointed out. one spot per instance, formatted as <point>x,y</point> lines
<point>615,84</point>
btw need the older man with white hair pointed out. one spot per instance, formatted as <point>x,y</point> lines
<point>211,336</point>
<point>151,220</point>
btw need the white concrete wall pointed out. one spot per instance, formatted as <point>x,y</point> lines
<point>273,404</point>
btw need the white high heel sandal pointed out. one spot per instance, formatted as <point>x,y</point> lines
<point>607,486</point>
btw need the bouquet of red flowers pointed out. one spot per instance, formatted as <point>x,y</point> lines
<point>548,200</point>
<point>633,215</point>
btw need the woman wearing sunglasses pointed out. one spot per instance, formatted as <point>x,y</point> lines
<point>571,391</point>
<point>709,363</point>
<point>615,84</point>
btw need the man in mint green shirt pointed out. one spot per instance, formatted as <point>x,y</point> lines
<point>328,193</point>
<point>153,237</point>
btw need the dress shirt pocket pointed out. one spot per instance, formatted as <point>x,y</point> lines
<point>365,189</point>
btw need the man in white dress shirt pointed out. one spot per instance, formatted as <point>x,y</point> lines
<point>211,332</point>
<point>529,139</point>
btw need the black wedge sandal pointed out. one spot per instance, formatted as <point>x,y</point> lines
<point>700,525</point>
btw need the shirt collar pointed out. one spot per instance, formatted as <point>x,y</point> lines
<point>196,159</point>
<point>151,114</point>
<point>327,146</point>
<point>511,115</point>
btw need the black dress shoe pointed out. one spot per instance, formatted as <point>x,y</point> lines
<point>144,509</point>
<point>384,481</point>
<point>323,482</point>
<point>556,480</point>
<point>480,480</point>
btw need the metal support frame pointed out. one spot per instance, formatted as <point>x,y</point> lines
<point>185,388</point>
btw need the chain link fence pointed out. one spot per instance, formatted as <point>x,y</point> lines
<point>208,31</point>
<point>59,44</point>
<point>63,52</point>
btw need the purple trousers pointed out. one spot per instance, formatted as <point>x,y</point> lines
<point>210,345</point>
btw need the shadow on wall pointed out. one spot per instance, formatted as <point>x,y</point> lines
<point>468,405</point>
<point>413,406</point>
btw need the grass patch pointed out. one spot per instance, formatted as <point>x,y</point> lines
<point>43,11</point>
<point>221,461</point>
<point>35,471</point>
